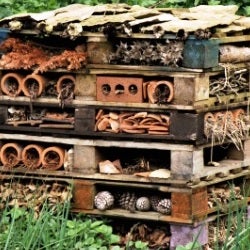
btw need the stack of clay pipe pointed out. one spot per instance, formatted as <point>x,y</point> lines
<point>32,85</point>
<point>132,122</point>
<point>32,156</point>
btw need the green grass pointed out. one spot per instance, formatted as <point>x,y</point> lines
<point>54,227</point>
<point>22,229</point>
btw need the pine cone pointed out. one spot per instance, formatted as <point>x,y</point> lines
<point>161,205</point>
<point>143,204</point>
<point>104,200</point>
<point>127,201</point>
<point>164,206</point>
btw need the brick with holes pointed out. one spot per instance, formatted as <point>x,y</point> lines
<point>119,89</point>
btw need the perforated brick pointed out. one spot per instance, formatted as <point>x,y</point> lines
<point>119,89</point>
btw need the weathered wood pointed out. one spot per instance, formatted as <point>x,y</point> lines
<point>83,194</point>
<point>84,120</point>
<point>188,90</point>
<point>29,122</point>
<point>234,39</point>
<point>145,70</point>
<point>190,206</point>
<point>154,216</point>
<point>186,164</point>
<point>98,50</point>
<point>213,103</point>
<point>100,143</point>
<point>246,150</point>
<point>57,126</point>
<point>86,159</point>
<point>85,87</point>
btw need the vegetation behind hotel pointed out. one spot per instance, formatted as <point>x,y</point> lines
<point>9,7</point>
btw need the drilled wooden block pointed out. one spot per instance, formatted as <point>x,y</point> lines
<point>119,89</point>
<point>83,194</point>
<point>190,206</point>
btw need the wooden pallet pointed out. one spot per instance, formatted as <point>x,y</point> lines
<point>83,124</point>
<point>184,161</point>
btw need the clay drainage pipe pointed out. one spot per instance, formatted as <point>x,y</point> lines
<point>33,85</point>
<point>11,84</point>
<point>32,156</point>
<point>160,91</point>
<point>53,158</point>
<point>11,154</point>
<point>66,83</point>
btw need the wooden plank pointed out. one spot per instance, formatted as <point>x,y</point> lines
<point>234,39</point>
<point>154,216</point>
<point>100,143</point>
<point>221,101</point>
<point>81,101</point>
<point>225,167</point>
<point>142,70</point>
<point>205,182</point>
<point>28,122</point>
<point>212,103</point>
<point>57,126</point>
<point>161,184</point>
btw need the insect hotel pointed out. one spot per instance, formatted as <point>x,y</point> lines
<point>145,112</point>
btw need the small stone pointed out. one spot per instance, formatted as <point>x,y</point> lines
<point>143,204</point>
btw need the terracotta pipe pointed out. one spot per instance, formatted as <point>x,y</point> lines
<point>11,154</point>
<point>64,81</point>
<point>33,85</point>
<point>153,91</point>
<point>11,84</point>
<point>53,158</point>
<point>32,156</point>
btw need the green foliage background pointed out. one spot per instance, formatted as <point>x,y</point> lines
<point>9,7</point>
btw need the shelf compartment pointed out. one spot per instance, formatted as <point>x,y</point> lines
<point>182,162</point>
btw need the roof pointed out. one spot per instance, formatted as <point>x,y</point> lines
<point>140,19</point>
